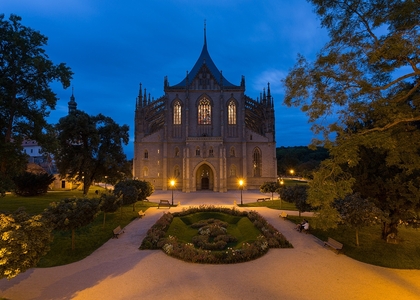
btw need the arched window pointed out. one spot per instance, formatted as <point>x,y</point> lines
<point>176,152</point>
<point>197,151</point>
<point>257,162</point>
<point>232,113</point>
<point>204,112</point>
<point>145,172</point>
<point>211,153</point>
<point>177,113</point>
<point>146,154</point>
<point>232,152</point>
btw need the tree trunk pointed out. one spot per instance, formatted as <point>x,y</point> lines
<point>103,225</point>
<point>72,239</point>
<point>86,185</point>
<point>357,237</point>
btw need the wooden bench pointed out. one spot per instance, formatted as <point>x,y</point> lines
<point>263,199</point>
<point>117,231</point>
<point>283,215</point>
<point>334,244</point>
<point>141,214</point>
<point>164,203</point>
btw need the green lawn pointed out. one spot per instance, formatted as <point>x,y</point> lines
<point>372,249</point>
<point>240,227</point>
<point>35,205</point>
<point>88,238</point>
<point>274,204</point>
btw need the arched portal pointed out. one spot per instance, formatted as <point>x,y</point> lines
<point>204,178</point>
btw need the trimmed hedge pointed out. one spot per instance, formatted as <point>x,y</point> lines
<point>157,238</point>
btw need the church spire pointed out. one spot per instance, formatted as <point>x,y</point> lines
<point>205,35</point>
<point>72,103</point>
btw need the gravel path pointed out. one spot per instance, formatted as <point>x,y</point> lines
<point>118,270</point>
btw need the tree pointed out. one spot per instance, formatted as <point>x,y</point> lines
<point>30,184</point>
<point>90,148</point>
<point>24,240</point>
<point>296,194</point>
<point>133,190</point>
<point>269,187</point>
<point>72,213</point>
<point>25,95</point>
<point>109,203</point>
<point>367,76</point>
<point>357,212</point>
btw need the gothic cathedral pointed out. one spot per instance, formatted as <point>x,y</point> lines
<point>205,133</point>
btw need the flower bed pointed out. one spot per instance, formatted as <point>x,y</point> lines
<point>210,245</point>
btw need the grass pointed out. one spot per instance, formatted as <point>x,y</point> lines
<point>372,249</point>
<point>273,204</point>
<point>36,205</point>
<point>88,238</point>
<point>240,227</point>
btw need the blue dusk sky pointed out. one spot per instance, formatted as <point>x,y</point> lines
<point>113,46</point>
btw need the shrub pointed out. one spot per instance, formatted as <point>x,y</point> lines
<point>29,184</point>
<point>210,244</point>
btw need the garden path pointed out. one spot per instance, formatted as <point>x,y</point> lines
<point>118,270</point>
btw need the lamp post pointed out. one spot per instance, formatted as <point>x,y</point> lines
<point>292,172</point>
<point>241,186</point>
<point>281,185</point>
<point>172,186</point>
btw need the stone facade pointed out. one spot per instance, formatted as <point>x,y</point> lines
<point>205,133</point>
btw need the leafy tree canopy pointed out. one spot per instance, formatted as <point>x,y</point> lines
<point>24,240</point>
<point>367,77</point>
<point>25,94</point>
<point>72,213</point>
<point>30,184</point>
<point>90,148</point>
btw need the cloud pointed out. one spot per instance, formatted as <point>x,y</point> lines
<point>273,77</point>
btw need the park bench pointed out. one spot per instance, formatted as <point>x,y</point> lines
<point>263,199</point>
<point>164,203</point>
<point>334,244</point>
<point>283,215</point>
<point>117,231</point>
<point>141,214</point>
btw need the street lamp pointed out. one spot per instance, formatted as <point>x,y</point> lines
<point>172,186</point>
<point>241,186</point>
<point>292,172</point>
<point>281,185</point>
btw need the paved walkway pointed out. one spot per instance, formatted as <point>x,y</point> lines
<point>118,270</point>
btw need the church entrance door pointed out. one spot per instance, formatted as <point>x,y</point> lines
<point>205,183</point>
<point>205,178</point>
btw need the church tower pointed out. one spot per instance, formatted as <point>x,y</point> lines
<point>205,133</point>
<point>72,103</point>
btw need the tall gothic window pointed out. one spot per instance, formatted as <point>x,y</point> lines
<point>204,112</point>
<point>146,154</point>
<point>232,113</point>
<point>177,113</point>
<point>256,162</point>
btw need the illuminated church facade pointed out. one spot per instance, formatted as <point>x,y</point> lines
<point>204,133</point>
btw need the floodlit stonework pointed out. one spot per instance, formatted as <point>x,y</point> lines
<point>205,133</point>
